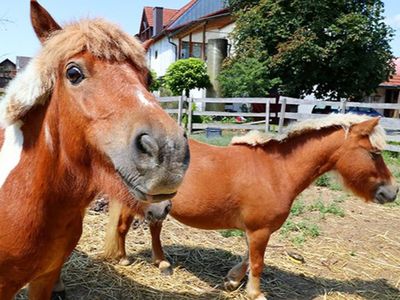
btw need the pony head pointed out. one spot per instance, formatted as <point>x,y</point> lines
<point>361,165</point>
<point>87,87</point>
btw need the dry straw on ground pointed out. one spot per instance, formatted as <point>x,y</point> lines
<point>355,257</point>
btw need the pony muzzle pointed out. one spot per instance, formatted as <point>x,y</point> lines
<point>386,193</point>
<point>158,211</point>
<point>154,165</point>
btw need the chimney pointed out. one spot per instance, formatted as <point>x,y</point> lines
<point>157,20</point>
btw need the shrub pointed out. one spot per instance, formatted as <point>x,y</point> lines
<point>186,74</point>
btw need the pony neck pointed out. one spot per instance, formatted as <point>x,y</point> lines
<point>309,155</point>
<point>49,162</point>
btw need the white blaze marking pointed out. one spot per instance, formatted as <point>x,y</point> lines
<point>10,152</point>
<point>142,98</point>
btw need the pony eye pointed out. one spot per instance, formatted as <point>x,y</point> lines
<point>74,74</point>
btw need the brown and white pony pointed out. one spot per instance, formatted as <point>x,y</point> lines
<point>77,121</point>
<point>251,185</point>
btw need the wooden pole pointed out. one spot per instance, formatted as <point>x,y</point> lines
<point>203,45</point>
<point>343,106</point>
<point>180,105</point>
<point>267,104</point>
<point>282,115</point>
<point>179,49</point>
<point>190,112</point>
<point>396,112</point>
<point>190,45</point>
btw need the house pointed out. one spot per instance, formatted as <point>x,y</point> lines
<point>8,71</point>
<point>22,62</point>
<point>388,92</point>
<point>192,31</point>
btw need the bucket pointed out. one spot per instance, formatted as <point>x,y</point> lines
<point>213,132</point>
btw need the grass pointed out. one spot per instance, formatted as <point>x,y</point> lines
<point>298,232</point>
<point>327,180</point>
<point>231,233</point>
<point>297,208</point>
<point>223,140</point>
<point>330,208</point>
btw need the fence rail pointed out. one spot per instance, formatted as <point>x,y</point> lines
<point>185,106</point>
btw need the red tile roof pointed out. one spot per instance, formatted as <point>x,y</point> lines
<point>394,81</point>
<point>167,14</point>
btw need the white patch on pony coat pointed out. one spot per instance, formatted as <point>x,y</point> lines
<point>47,136</point>
<point>10,153</point>
<point>143,98</point>
<point>22,94</point>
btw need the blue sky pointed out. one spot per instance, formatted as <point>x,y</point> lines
<point>18,38</point>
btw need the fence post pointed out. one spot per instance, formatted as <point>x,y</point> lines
<point>267,115</point>
<point>343,106</point>
<point>282,115</point>
<point>189,114</point>
<point>180,105</point>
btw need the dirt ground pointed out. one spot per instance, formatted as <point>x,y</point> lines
<point>353,256</point>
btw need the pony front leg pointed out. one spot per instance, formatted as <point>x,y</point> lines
<point>157,251</point>
<point>58,292</point>
<point>236,274</point>
<point>42,288</point>
<point>258,241</point>
<point>121,218</point>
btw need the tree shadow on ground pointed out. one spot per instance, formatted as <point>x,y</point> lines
<point>212,265</point>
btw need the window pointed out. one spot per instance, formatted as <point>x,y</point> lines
<point>156,54</point>
<point>196,50</point>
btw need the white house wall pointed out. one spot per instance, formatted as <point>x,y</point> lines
<point>165,56</point>
<point>166,51</point>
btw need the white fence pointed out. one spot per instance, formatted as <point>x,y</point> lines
<point>391,125</point>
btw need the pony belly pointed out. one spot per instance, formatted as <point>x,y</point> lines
<point>208,221</point>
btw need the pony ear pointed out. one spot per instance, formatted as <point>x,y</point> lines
<point>146,44</point>
<point>42,22</point>
<point>366,127</point>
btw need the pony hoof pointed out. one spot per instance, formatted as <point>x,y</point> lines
<point>230,285</point>
<point>258,297</point>
<point>58,295</point>
<point>165,268</point>
<point>124,262</point>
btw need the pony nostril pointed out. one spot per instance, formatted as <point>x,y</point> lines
<point>167,209</point>
<point>146,145</point>
<point>186,159</point>
<point>149,215</point>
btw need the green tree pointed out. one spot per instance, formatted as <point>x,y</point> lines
<point>155,82</point>
<point>186,74</point>
<point>246,77</point>
<point>334,48</point>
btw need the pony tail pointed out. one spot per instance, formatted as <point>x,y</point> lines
<point>111,245</point>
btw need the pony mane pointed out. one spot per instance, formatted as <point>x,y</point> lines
<point>257,138</point>
<point>34,84</point>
